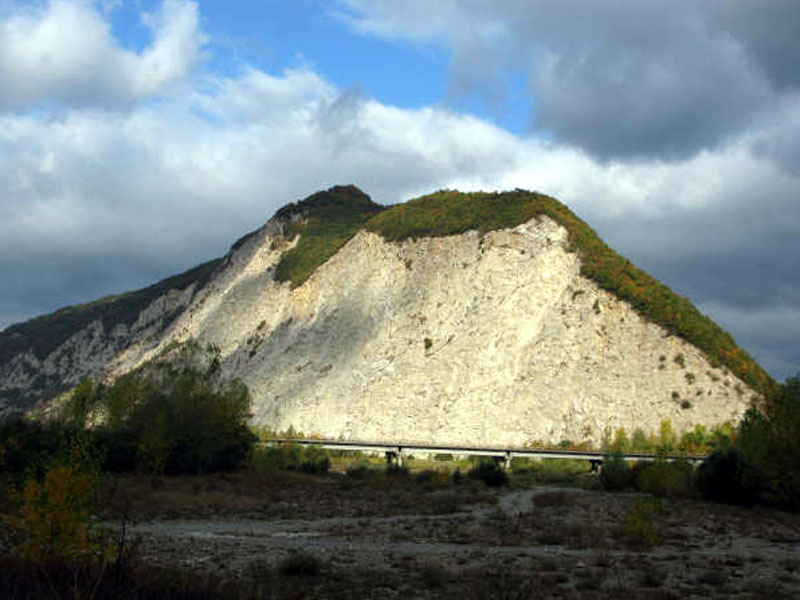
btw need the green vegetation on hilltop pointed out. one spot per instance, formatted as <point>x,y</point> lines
<point>44,334</point>
<point>325,221</point>
<point>450,212</point>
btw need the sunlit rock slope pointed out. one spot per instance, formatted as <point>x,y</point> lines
<point>348,320</point>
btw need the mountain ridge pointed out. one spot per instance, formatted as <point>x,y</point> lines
<point>312,231</point>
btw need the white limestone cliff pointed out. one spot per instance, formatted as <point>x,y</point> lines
<point>483,339</point>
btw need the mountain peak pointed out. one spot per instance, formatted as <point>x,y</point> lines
<point>336,202</point>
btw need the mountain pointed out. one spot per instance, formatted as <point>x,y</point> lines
<point>481,317</point>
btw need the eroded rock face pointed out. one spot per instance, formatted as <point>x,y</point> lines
<point>89,352</point>
<point>481,339</point>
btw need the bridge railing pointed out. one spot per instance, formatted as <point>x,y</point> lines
<point>394,451</point>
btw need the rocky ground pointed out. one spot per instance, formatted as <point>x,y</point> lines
<point>379,536</point>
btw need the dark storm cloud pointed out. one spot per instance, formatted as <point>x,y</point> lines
<point>637,79</point>
<point>738,264</point>
<point>624,79</point>
<point>768,32</point>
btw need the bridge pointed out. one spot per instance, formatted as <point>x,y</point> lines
<point>394,451</point>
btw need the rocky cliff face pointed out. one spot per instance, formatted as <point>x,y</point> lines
<point>491,338</point>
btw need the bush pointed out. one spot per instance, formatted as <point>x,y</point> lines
<point>762,464</point>
<point>291,457</point>
<point>315,460</point>
<point>490,473</point>
<point>426,475</point>
<point>169,418</point>
<point>638,523</point>
<point>615,475</point>
<point>54,516</point>
<point>724,477</point>
<point>177,417</point>
<point>359,471</point>
<point>299,563</point>
<point>29,447</point>
<point>54,505</point>
<point>661,478</point>
<point>394,470</point>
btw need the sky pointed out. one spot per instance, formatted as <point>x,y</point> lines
<point>139,138</point>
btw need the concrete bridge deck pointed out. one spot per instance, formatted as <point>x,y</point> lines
<point>394,451</point>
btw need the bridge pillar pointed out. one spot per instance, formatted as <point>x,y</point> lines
<point>595,465</point>
<point>504,461</point>
<point>394,457</point>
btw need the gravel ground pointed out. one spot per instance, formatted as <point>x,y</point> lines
<point>326,540</point>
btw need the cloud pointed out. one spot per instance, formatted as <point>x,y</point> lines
<point>622,80</point>
<point>64,52</point>
<point>97,201</point>
<point>771,333</point>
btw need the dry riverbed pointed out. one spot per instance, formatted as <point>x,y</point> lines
<point>393,537</point>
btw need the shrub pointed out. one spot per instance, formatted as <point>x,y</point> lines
<point>358,471</point>
<point>639,441</point>
<point>724,477</point>
<point>661,478</point>
<point>762,462</point>
<point>315,460</point>
<point>395,470</point>
<point>667,438</point>
<point>638,523</point>
<point>490,472</point>
<point>425,476</point>
<point>621,441</point>
<point>29,447</point>
<point>769,442</point>
<point>291,457</point>
<point>175,417</point>
<point>458,476</point>
<point>299,563</point>
<point>54,516</point>
<point>54,506</point>
<point>615,475</point>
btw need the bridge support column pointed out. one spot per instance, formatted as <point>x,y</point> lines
<point>394,457</point>
<point>503,461</point>
<point>595,465</point>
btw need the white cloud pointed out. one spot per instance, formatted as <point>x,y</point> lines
<point>162,185</point>
<point>64,52</point>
